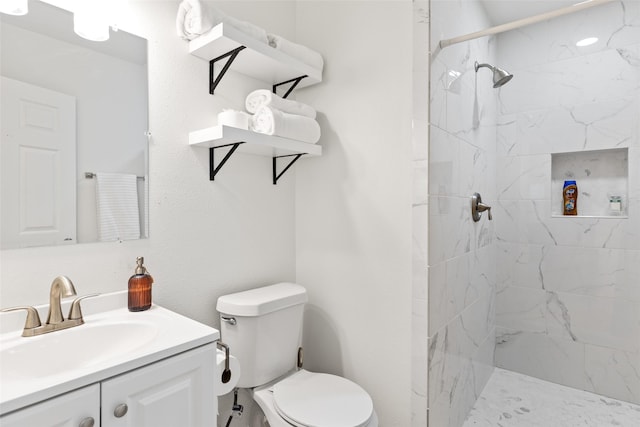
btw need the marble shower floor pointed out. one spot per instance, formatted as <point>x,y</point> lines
<point>515,400</point>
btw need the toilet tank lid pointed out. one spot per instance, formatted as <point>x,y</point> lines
<point>259,301</point>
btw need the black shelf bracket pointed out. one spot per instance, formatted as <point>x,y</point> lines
<point>294,82</point>
<point>276,175</point>
<point>231,55</point>
<point>213,170</point>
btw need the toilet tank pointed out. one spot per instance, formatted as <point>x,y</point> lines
<point>263,329</point>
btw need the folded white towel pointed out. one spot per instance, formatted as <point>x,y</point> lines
<point>117,207</point>
<point>195,19</point>
<point>302,53</point>
<point>271,121</point>
<point>247,28</point>
<point>261,97</point>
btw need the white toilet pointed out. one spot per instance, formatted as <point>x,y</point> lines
<point>263,329</point>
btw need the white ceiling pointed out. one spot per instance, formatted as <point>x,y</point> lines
<point>503,11</point>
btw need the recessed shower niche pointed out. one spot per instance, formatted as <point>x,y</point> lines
<point>602,177</point>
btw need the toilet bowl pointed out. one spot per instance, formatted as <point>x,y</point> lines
<point>307,399</point>
<point>263,329</point>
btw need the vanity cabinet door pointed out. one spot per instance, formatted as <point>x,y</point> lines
<point>79,408</point>
<point>175,392</point>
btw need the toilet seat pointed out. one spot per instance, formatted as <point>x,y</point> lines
<point>307,399</point>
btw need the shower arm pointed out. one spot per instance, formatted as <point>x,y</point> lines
<point>478,66</point>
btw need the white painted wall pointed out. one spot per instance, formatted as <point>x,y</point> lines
<point>207,238</point>
<point>353,206</point>
<point>350,209</point>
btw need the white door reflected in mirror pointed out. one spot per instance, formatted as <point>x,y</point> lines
<point>38,152</point>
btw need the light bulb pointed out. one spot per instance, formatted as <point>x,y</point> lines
<point>91,20</point>
<point>90,28</point>
<point>14,7</point>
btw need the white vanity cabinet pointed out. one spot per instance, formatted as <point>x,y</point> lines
<point>174,392</point>
<point>68,410</point>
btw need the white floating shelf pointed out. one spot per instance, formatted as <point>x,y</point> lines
<point>591,216</point>
<point>255,143</point>
<point>258,60</point>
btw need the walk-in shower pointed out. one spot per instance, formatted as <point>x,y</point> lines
<point>533,295</point>
<point>500,76</point>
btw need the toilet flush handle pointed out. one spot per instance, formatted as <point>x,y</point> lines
<point>229,320</point>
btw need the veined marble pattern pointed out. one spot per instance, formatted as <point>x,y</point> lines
<point>567,303</point>
<point>615,24</point>
<point>461,161</point>
<point>515,400</point>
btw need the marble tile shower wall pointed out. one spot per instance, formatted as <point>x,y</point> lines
<point>568,298</point>
<point>461,254</point>
<point>420,206</point>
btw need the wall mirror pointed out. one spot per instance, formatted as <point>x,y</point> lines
<point>73,111</point>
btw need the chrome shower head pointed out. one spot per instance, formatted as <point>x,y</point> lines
<point>500,76</point>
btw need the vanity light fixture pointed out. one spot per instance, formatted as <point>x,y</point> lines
<point>93,18</point>
<point>587,42</point>
<point>90,25</point>
<point>14,7</point>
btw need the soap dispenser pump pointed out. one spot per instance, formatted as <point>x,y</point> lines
<point>140,288</point>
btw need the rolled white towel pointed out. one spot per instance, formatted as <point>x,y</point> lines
<point>271,121</point>
<point>193,20</point>
<point>302,53</point>
<point>260,97</point>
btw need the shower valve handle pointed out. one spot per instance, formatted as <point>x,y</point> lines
<point>477,207</point>
<point>482,207</point>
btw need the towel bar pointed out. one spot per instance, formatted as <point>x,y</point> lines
<point>91,175</point>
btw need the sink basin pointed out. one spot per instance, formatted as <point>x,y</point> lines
<point>112,341</point>
<point>76,348</point>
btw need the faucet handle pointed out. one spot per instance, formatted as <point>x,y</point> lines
<point>482,207</point>
<point>75,313</point>
<point>477,207</point>
<point>33,319</point>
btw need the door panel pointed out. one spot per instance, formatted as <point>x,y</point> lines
<point>38,158</point>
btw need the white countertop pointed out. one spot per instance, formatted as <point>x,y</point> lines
<point>153,335</point>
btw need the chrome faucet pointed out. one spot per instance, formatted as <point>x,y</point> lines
<point>61,287</point>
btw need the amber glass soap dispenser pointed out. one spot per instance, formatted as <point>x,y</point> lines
<point>140,288</point>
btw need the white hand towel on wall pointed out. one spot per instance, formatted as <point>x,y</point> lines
<point>271,121</point>
<point>261,97</point>
<point>298,51</point>
<point>117,207</point>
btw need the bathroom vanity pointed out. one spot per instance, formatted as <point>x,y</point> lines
<point>152,368</point>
